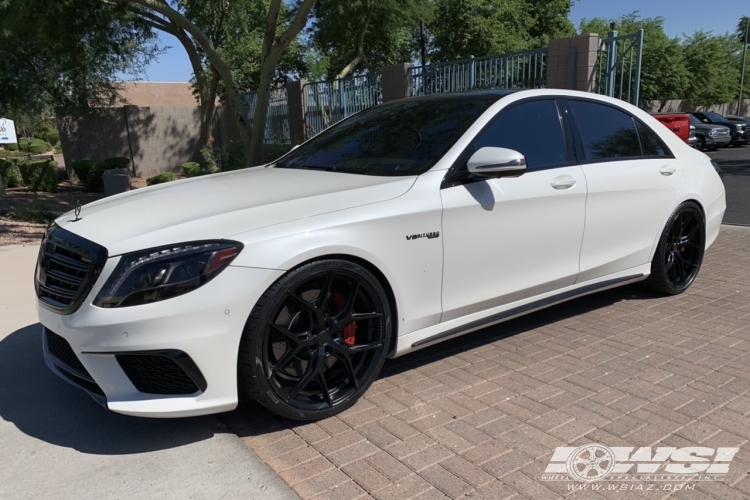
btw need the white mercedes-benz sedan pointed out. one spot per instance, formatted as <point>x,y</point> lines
<point>399,227</point>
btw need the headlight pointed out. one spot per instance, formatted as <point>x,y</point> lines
<point>712,132</point>
<point>166,272</point>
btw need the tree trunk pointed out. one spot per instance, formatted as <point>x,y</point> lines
<point>2,187</point>
<point>261,112</point>
<point>208,108</point>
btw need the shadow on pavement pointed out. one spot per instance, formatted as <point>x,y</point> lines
<point>44,407</point>
<point>251,419</point>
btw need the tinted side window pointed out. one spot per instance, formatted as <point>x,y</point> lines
<point>531,128</point>
<point>650,142</point>
<point>605,131</point>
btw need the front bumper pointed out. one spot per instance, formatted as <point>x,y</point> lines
<point>205,324</point>
<point>719,141</point>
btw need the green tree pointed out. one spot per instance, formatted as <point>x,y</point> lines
<point>664,74</point>
<point>67,54</point>
<point>713,65</point>
<point>364,35</point>
<point>464,28</point>
<point>277,37</point>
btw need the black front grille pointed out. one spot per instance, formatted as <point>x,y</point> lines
<point>67,268</point>
<point>60,349</point>
<point>160,373</point>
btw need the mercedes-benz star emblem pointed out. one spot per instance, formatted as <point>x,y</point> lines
<point>78,211</point>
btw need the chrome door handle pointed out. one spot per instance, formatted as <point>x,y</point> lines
<point>667,170</point>
<point>563,182</point>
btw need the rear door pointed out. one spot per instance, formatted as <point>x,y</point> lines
<point>632,179</point>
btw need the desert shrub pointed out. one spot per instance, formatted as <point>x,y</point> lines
<point>117,162</point>
<point>11,147</point>
<point>10,173</point>
<point>23,144</point>
<point>192,169</point>
<point>39,175</point>
<point>161,178</point>
<point>58,148</point>
<point>90,172</point>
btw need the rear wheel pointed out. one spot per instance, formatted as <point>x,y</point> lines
<point>701,143</point>
<point>316,340</point>
<point>679,254</point>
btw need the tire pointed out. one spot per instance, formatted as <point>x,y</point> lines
<point>679,253</point>
<point>701,143</point>
<point>307,355</point>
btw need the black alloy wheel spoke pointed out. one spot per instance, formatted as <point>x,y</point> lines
<point>285,332</point>
<point>341,353</point>
<point>364,347</point>
<point>309,375</point>
<point>287,358</point>
<point>349,306</point>
<point>324,388</point>
<point>321,302</point>
<point>362,316</point>
<point>304,303</point>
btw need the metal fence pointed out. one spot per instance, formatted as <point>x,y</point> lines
<point>277,117</point>
<point>329,101</point>
<point>518,70</point>
<point>618,71</point>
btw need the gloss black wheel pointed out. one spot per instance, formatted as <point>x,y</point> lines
<point>679,254</point>
<point>316,340</point>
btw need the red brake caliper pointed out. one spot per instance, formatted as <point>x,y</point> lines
<point>350,330</point>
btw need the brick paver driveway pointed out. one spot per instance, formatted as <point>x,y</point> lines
<point>481,415</point>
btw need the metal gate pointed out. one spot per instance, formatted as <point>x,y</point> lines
<point>618,69</point>
<point>329,101</point>
<point>518,70</point>
<point>277,116</point>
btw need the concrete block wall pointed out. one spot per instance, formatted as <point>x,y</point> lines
<point>156,138</point>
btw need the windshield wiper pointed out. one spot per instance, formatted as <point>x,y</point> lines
<point>326,168</point>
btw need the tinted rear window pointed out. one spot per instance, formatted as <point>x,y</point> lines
<point>396,139</point>
<point>607,133</point>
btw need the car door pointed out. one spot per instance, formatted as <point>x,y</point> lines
<point>511,238</point>
<point>632,179</point>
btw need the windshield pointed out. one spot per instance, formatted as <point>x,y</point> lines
<point>715,117</point>
<point>402,138</point>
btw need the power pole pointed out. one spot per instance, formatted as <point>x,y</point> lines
<point>744,58</point>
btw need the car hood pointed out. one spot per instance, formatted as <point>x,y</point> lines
<point>224,205</point>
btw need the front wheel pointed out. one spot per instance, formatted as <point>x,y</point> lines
<point>316,340</point>
<point>679,254</point>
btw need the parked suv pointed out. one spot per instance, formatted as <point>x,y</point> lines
<point>709,135</point>
<point>738,129</point>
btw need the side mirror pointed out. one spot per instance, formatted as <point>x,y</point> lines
<point>497,162</point>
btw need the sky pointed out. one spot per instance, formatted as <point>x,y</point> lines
<point>681,17</point>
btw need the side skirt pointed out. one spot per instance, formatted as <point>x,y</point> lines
<point>527,308</point>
